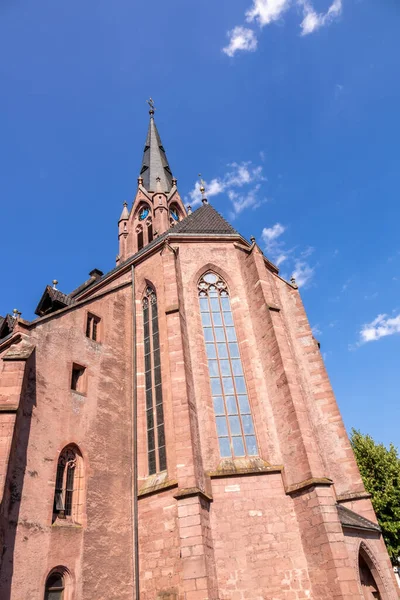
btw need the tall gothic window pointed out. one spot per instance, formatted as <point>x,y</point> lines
<point>228,386</point>
<point>68,494</point>
<point>157,460</point>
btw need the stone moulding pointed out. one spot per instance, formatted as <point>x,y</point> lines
<point>190,492</point>
<point>152,485</point>
<point>238,467</point>
<point>308,483</point>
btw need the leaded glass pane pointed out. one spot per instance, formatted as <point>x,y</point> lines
<point>206,319</point>
<point>224,447</point>
<point>231,405</point>
<point>240,385</point>
<point>228,319</point>
<point>225,368</point>
<point>234,426</point>
<point>226,305</point>
<point>204,305</point>
<point>237,367</point>
<point>247,424</point>
<point>219,408</point>
<point>219,334</point>
<point>217,319</point>
<point>251,445</point>
<point>208,334</point>
<point>213,367</point>
<point>222,351</point>
<point>244,404</point>
<point>211,351</point>
<point>222,427</point>
<point>238,446</point>
<point>228,385</point>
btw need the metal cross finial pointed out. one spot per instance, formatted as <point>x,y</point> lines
<point>203,189</point>
<point>150,102</point>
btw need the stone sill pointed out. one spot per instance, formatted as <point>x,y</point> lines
<point>156,483</point>
<point>243,466</point>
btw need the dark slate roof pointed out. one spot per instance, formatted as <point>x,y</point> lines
<point>6,325</point>
<point>52,300</point>
<point>155,163</point>
<point>348,518</point>
<point>204,220</point>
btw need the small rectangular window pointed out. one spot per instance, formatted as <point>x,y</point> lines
<point>78,378</point>
<point>93,327</point>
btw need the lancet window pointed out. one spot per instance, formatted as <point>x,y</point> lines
<point>68,495</point>
<point>54,587</point>
<point>228,386</point>
<point>156,452</point>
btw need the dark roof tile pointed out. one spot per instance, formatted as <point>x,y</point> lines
<point>348,518</point>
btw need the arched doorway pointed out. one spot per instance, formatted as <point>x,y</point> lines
<point>368,583</point>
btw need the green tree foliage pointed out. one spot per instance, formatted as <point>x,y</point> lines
<point>380,472</point>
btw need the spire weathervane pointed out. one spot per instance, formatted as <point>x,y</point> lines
<point>150,102</point>
<point>203,190</point>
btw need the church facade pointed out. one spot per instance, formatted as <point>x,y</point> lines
<point>168,429</point>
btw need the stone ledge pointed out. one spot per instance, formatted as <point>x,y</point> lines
<point>243,466</point>
<point>273,307</point>
<point>170,310</point>
<point>190,492</point>
<point>353,496</point>
<point>156,483</point>
<point>307,483</point>
<point>8,408</point>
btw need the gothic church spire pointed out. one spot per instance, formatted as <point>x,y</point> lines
<point>155,163</point>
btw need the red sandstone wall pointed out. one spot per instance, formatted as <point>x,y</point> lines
<point>99,422</point>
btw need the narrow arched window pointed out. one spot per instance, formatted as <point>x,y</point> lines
<point>68,495</point>
<point>140,239</point>
<point>55,587</point>
<point>149,232</point>
<point>157,460</point>
<point>228,386</point>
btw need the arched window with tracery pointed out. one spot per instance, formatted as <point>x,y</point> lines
<point>68,495</point>
<point>232,411</point>
<point>55,586</point>
<point>156,452</point>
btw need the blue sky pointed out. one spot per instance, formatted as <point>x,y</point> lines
<point>295,127</point>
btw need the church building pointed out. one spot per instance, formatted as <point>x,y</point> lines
<point>168,430</point>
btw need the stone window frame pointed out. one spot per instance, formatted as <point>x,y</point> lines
<point>154,405</point>
<point>67,583</point>
<point>69,487</point>
<point>144,229</point>
<point>78,386</point>
<point>232,408</point>
<point>93,327</point>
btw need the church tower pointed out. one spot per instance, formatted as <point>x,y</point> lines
<point>168,430</point>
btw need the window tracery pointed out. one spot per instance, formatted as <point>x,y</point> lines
<point>69,486</point>
<point>232,411</point>
<point>156,451</point>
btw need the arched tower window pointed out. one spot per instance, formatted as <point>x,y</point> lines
<point>157,460</point>
<point>149,231</point>
<point>140,238</point>
<point>174,214</point>
<point>55,586</point>
<point>68,495</point>
<point>228,386</point>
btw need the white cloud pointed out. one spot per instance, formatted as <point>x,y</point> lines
<point>240,38</point>
<point>303,273</point>
<point>264,12</point>
<point>315,330</point>
<point>277,252</point>
<point>313,20</point>
<point>238,176</point>
<point>380,327</point>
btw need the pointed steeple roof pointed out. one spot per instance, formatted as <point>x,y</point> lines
<point>155,163</point>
